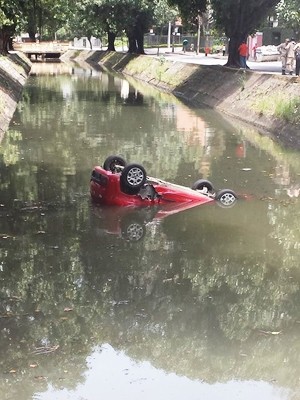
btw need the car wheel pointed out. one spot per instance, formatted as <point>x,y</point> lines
<point>133,231</point>
<point>133,177</point>
<point>113,164</point>
<point>226,198</point>
<point>204,185</point>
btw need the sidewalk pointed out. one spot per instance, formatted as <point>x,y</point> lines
<point>271,67</point>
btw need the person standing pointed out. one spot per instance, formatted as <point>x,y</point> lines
<point>282,48</point>
<point>185,45</point>
<point>290,56</point>
<point>297,56</point>
<point>243,53</point>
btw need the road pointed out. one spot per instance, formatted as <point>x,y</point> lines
<point>270,67</point>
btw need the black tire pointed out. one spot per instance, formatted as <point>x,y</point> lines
<point>133,177</point>
<point>226,198</point>
<point>202,184</point>
<point>112,163</point>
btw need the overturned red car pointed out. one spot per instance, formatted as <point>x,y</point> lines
<point>121,184</point>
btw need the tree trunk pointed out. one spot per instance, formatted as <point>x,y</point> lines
<point>139,36</point>
<point>233,53</point>
<point>5,35</point>
<point>132,45</point>
<point>111,36</point>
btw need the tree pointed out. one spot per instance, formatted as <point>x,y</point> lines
<point>110,15</point>
<point>288,12</point>
<point>85,21</point>
<point>10,15</point>
<point>191,12</point>
<point>190,9</point>
<point>239,19</point>
<point>133,17</point>
<point>45,17</point>
<point>142,19</point>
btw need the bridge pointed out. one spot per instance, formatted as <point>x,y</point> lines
<point>42,51</point>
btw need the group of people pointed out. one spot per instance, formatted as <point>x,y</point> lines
<point>289,54</point>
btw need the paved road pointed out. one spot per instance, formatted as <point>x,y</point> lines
<point>271,67</point>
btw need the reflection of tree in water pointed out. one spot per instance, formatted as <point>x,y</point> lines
<point>190,311</point>
<point>100,115</point>
<point>202,307</point>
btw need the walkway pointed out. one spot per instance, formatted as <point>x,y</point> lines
<point>271,67</point>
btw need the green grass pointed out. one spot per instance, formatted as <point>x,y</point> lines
<point>280,107</point>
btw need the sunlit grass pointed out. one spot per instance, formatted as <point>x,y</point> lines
<point>280,106</point>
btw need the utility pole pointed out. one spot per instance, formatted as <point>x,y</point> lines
<point>169,35</point>
<point>198,34</point>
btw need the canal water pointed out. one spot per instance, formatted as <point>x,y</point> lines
<point>201,304</point>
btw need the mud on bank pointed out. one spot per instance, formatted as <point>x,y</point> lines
<point>269,102</point>
<point>14,70</point>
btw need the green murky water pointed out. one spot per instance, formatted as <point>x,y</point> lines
<point>204,306</point>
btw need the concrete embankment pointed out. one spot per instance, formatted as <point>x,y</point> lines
<point>14,70</point>
<point>269,102</point>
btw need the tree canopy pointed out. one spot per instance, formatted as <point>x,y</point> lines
<point>10,16</point>
<point>288,12</point>
<point>239,19</point>
<point>189,9</point>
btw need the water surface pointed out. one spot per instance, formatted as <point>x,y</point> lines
<point>204,305</point>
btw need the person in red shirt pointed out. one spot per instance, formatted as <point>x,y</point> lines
<point>243,52</point>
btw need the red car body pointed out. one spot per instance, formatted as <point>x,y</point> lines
<point>105,188</point>
<point>120,184</point>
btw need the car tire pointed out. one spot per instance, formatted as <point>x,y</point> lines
<point>133,229</point>
<point>112,163</point>
<point>226,198</point>
<point>133,177</point>
<point>201,184</point>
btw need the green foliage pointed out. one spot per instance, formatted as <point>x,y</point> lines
<point>163,13</point>
<point>279,106</point>
<point>288,12</point>
<point>190,9</point>
<point>241,18</point>
<point>10,12</point>
<point>238,20</point>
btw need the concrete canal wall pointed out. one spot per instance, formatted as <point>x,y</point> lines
<point>14,71</point>
<point>270,102</point>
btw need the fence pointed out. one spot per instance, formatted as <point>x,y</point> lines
<point>176,40</point>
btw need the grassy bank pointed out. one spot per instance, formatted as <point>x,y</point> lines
<point>14,70</point>
<point>269,102</point>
